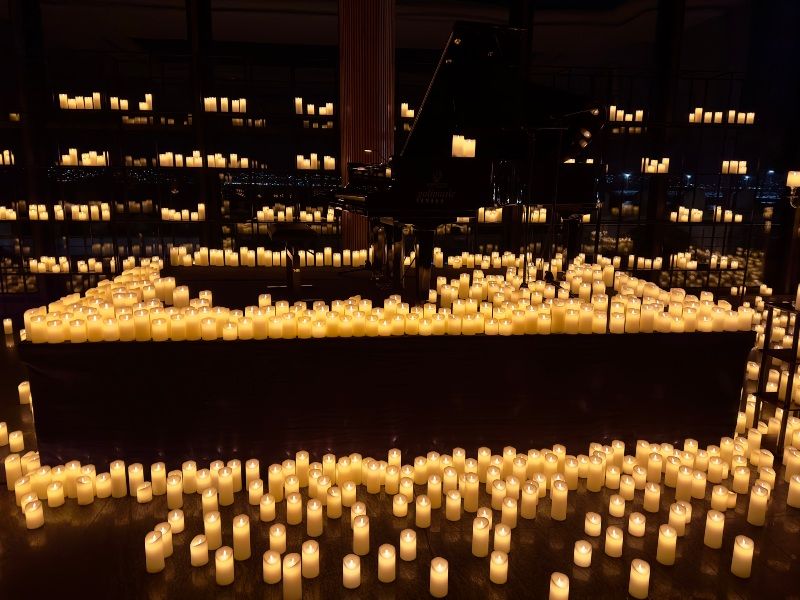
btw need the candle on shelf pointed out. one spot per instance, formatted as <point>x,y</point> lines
<point>223,560</point>
<point>292,577</point>
<point>667,541</point>
<point>559,587</point>
<point>742,561</point>
<point>198,549</point>
<point>241,537</point>
<point>582,555</point>
<point>271,567</point>
<point>408,544</point>
<point>639,583</point>
<point>310,554</point>
<point>439,577</point>
<point>277,538</point>
<point>351,571</point>
<point>613,546</point>
<point>153,552</point>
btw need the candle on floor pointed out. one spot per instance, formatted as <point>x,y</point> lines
<point>255,491</point>
<point>189,472</point>
<point>144,493</point>
<point>399,505</point>
<point>85,490</point>
<point>636,524</point>
<point>408,544</point>
<point>742,561</point>
<point>387,563</point>
<point>223,560</point>
<point>502,537</point>
<point>292,577</point>
<point>213,529</point>
<point>210,500</point>
<point>667,541</point>
<point>24,391</point>
<point>613,546</point>
<point>439,577</point>
<point>422,512</point>
<point>677,518</point>
<point>361,535</point>
<point>592,525</point>
<point>652,497</point>
<point>165,529</point>
<point>757,510</point>
<point>351,571</point>
<point>529,500</point>
<point>310,554</point>
<point>453,505</point>
<point>266,508</point>
<point>559,587</point>
<point>639,583</point>
<point>294,508</point>
<point>176,520</point>
<point>241,537</point>
<point>153,552</point>
<point>616,506</point>
<point>715,525</point>
<point>198,549</point>
<point>225,486</point>
<point>55,494</point>
<point>277,538</point>
<point>509,512</point>
<point>582,555</point>
<point>135,478</point>
<point>158,478</point>
<point>314,518</point>
<point>271,567</point>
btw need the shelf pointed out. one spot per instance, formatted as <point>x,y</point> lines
<point>784,354</point>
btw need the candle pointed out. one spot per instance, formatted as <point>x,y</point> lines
<point>387,563</point>
<point>592,525</point>
<point>223,560</point>
<point>453,505</point>
<point>757,510</point>
<point>399,505</point>
<point>636,524</point>
<point>241,537</point>
<point>616,506</point>
<point>715,525</point>
<point>558,499</point>
<point>213,530</point>
<point>153,552</point>
<point>55,494</point>
<point>158,478</point>
<point>209,500</point>
<point>334,505</point>
<point>225,486</point>
<point>165,529</point>
<point>271,566</point>
<point>408,544</point>
<point>422,512</point>
<point>174,490</point>
<point>439,577</point>
<point>559,587</point>
<point>277,538</point>
<point>255,491</point>
<point>582,555</point>
<point>351,571</point>
<point>652,497</point>
<point>613,545</point>
<point>310,554</point>
<point>361,535</point>
<point>742,561</point>
<point>639,583</point>
<point>189,470</point>
<point>144,493</point>
<point>314,518</point>
<point>85,490</point>
<point>294,509</point>
<point>135,478</point>
<point>198,550</point>
<point>175,519</point>
<point>502,537</point>
<point>292,576</point>
<point>266,508</point>
<point>667,541</point>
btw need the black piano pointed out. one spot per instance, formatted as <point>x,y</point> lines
<point>480,92</point>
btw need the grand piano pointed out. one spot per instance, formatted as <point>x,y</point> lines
<point>479,90</point>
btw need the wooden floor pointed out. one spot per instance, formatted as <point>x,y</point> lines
<point>97,551</point>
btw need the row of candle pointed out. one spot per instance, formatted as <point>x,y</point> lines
<point>117,103</point>
<point>617,114</point>
<point>653,165</point>
<point>280,213</point>
<point>171,214</point>
<point>739,118</point>
<point>92,102</point>
<point>312,162</point>
<point>86,159</point>
<point>6,157</point>
<point>261,257</point>
<point>463,147</point>
<point>310,109</point>
<point>734,167</point>
<point>170,159</point>
<point>210,104</point>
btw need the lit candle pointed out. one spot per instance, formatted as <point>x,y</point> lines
<point>757,510</point>
<point>422,512</point>
<point>387,563</point>
<point>667,541</point>
<point>255,491</point>
<point>582,555</point>
<point>502,537</point>
<point>213,530</point>
<point>408,544</point>
<point>144,493</point>
<point>271,567</point>
<point>277,538</point>
<point>135,478</point>
<point>361,535</point>
<point>652,497</point>
<point>292,576</point>
<point>399,505</point>
<point>529,500</point>
<point>559,587</point>
<point>592,525</point>
<point>310,554</point>
<point>348,493</point>
<point>439,577</point>
<point>351,571</point>
<point>158,478</point>
<point>715,525</point>
<point>225,486</point>
<point>453,505</point>
<point>294,509</point>
<point>616,506</point>
<point>636,524</point>
<point>176,520</point>
<point>613,545</point>
<point>314,518</point>
<point>558,499</point>
<point>742,561</point>
<point>198,549</point>
<point>85,490</point>
<point>334,505</point>
<point>241,537</point>
<point>174,490</point>
<point>210,500</point>
<point>189,470</point>
<point>55,494</point>
<point>153,552</point>
<point>639,583</point>
<point>223,560</point>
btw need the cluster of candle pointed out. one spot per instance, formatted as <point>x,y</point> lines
<point>495,260</point>
<point>617,114</point>
<point>37,212</point>
<point>490,215</point>
<point>734,117</point>
<point>233,161</point>
<point>117,103</point>
<point>628,209</point>
<point>261,257</point>
<point>8,214</point>
<point>136,120</point>
<point>686,215</point>
<point>631,130</point>
<point>310,109</point>
<point>171,214</point>
<point>130,161</point>
<point>653,165</point>
<point>86,159</point>
<point>723,262</point>
<point>49,264</point>
<point>92,102</point>
<point>683,260</point>
<point>734,167</point>
<point>317,125</point>
<point>168,159</point>
<point>85,212</point>
<point>239,105</point>
<point>535,214</point>
<point>726,216</point>
<point>280,213</point>
<point>405,112</point>
<point>239,122</point>
<point>6,157</point>
<point>312,162</point>
<point>463,147</point>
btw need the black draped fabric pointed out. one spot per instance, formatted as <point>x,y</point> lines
<point>270,398</point>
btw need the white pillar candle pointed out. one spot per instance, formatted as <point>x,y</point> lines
<point>176,520</point>
<point>165,529</point>
<point>292,577</point>
<point>613,546</point>
<point>212,526</point>
<point>209,500</point>
<point>55,494</point>
<point>158,478</point>
<point>742,561</point>
<point>266,507</point>
<point>334,504</point>
<point>582,555</point>
<point>294,509</point>
<point>408,544</point>
<point>677,518</point>
<point>241,537</point>
<point>439,577</point>
<point>198,549</point>
<point>399,505</point>
<point>85,490</point>
<point>453,505</point>
<point>225,486</point>
<point>757,509</point>
<point>223,561</point>
<point>636,524</point>
<point>387,563</point>
<point>24,391</point>
<point>144,493</point>
<point>153,552</point>
<point>189,470</point>
<point>255,491</point>
<point>509,512</point>
<point>502,537</point>
<point>559,587</point>
<point>592,524</point>
<point>310,559</point>
<point>314,518</point>
<point>271,567</point>
<point>422,512</point>
<point>135,478</point>
<point>558,499</point>
<point>667,541</point>
<point>277,538</point>
<point>616,506</point>
<point>715,525</point>
<point>351,571</point>
<point>639,583</point>
<point>361,535</point>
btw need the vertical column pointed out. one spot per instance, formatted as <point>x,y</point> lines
<point>366,81</point>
